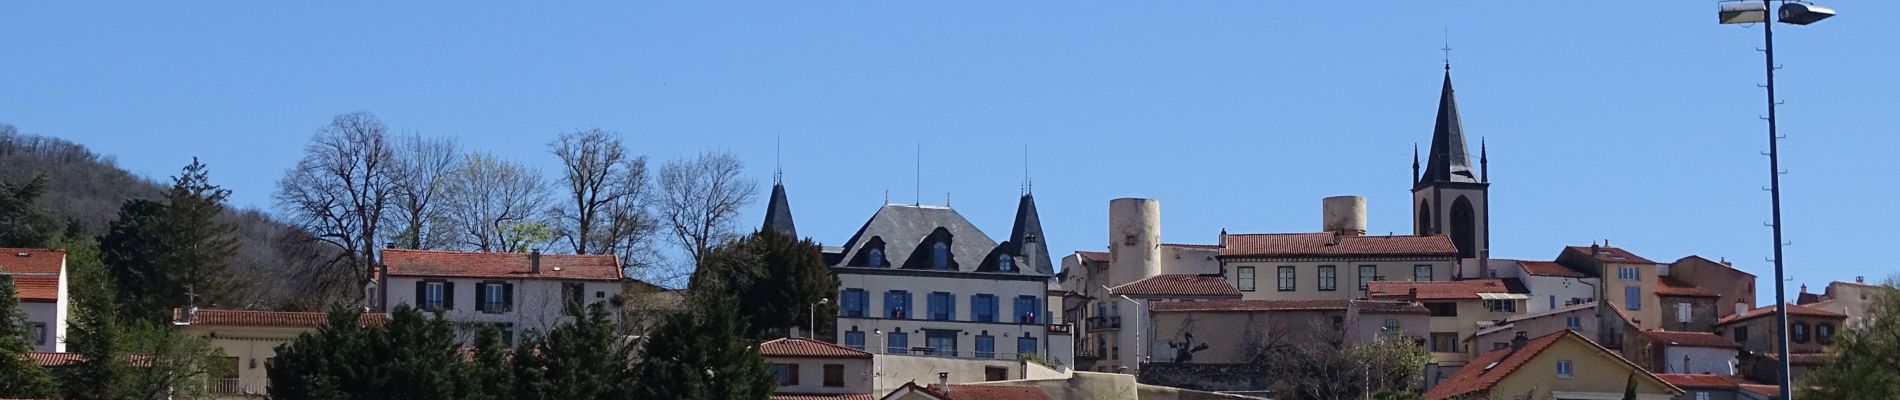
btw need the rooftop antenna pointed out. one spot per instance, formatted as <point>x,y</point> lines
<point>1028,185</point>
<point>778,159</point>
<point>1447,48</point>
<point>917,197</point>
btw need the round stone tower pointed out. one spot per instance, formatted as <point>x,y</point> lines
<point>1134,239</point>
<point>1345,215</point>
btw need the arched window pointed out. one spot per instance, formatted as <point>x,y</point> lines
<point>875,258</point>
<point>1824,333</point>
<point>1798,332</point>
<point>1424,217</point>
<point>1464,227</point>
<point>940,256</point>
<point>1005,263</point>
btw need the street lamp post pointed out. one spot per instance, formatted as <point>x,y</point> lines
<point>1792,12</point>
<point>812,319</point>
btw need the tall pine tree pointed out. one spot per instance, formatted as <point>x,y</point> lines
<point>780,282</point>
<point>702,355</point>
<point>95,332</point>
<point>583,359</point>
<point>175,253</point>
<point>22,223</point>
<point>20,377</point>
<point>411,357</point>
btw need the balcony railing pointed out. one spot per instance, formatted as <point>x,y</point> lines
<point>1104,323</point>
<point>225,386</point>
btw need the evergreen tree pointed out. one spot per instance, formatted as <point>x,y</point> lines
<point>20,377</point>
<point>1863,362</point>
<point>320,364</point>
<point>777,279</point>
<point>701,355</point>
<point>94,332</point>
<point>22,223</point>
<point>410,357</point>
<point>489,375</point>
<point>175,253</point>
<point>580,360</point>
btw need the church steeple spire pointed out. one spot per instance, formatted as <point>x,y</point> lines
<point>1449,159</point>
<point>778,212</point>
<point>1027,238</point>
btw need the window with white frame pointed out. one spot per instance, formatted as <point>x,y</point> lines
<point>1682,312</point>
<point>434,295</point>
<point>1328,278</point>
<point>1286,278</point>
<point>1564,369</point>
<point>1422,273</point>
<point>1501,305</point>
<point>1244,278</point>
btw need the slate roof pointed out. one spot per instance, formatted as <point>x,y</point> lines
<point>905,232</point>
<point>1669,286</point>
<point>1793,309</point>
<point>1548,268</point>
<point>1691,339</point>
<point>1445,290</point>
<point>807,348</point>
<point>281,319</point>
<point>1026,239</point>
<point>1487,369</point>
<point>1699,381</point>
<point>1449,160</point>
<point>778,213</point>
<point>1178,285</point>
<point>462,264</point>
<point>1321,244</point>
<point>1365,306</point>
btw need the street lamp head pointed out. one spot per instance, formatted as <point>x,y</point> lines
<point>824,301</point>
<point>1741,12</point>
<point>1803,13</point>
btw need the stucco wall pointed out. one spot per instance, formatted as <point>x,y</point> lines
<point>251,346</point>
<point>1593,373</point>
<point>1560,290</point>
<point>1701,360</point>
<point>1006,330</point>
<point>1732,285</point>
<point>811,375</point>
<point>537,302</point>
<point>46,313</point>
<point>1306,277</point>
<point>1536,327</point>
<point>895,370</point>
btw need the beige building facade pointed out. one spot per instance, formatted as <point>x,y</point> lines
<point>249,340</point>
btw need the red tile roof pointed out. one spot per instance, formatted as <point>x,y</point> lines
<point>1612,255</point>
<point>1381,307</point>
<point>1321,244</point>
<point>15,260</point>
<point>1668,286</point>
<point>1441,290</point>
<point>1769,391</point>
<point>1093,256</point>
<point>1487,369</point>
<point>986,392</point>
<point>817,396</point>
<point>1548,268</point>
<point>1699,381</point>
<point>1799,358</point>
<point>58,359</point>
<point>285,319</point>
<point>1724,263</point>
<point>597,267</point>
<point>36,288</point>
<point>802,347</point>
<point>1178,285</point>
<point>1793,309</point>
<point>1192,245</point>
<point>1691,339</point>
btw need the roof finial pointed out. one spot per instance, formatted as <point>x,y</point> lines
<point>1447,49</point>
<point>917,197</point>
<point>778,159</point>
<point>1484,161</point>
<point>1029,185</point>
<point>1415,176</point>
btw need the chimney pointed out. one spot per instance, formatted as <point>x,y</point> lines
<point>1804,288</point>
<point>1517,343</point>
<point>1412,294</point>
<point>534,261</point>
<point>389,245</point>
<point>1223,238</point>
<point>1860,279</point>
<point>794,332</point>
<point>943,382</point>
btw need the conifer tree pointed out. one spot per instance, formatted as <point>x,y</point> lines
<point>583,359</point>
<point>22,223</point>
<point>95,332</point>
<point>171,254</point>
<point>489,375</point>
<point>701,355</point>
<point>412,356</point>
<point>777,280</point>
<point>19,377</point>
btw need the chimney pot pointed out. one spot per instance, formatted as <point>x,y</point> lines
<point>534,261</point>
<point>943,382</point>
<point>1517,343</point>
<point>1860,279</point>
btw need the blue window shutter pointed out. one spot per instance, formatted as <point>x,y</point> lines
<point>1633,298</point>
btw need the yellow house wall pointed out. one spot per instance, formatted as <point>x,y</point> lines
<point>1593,371</point>
<point>1650,314</point>
<point>249,345</point>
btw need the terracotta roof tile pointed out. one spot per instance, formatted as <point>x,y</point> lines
<point>1093,256</point>
<point>819,396</point>
<point>1699,381</point>
<point>16,260</point>
<point>1548,268</point>
<point>987,392</point>
<point>1799,358</point>
<point>59,359</point>
<point>1381,307</point>
<point>802,347</point>
<point>1321,244</point>
<point>1769,391</point>
<point>286,319</point>
<point>1793,309</point>
<point>596,267</point>
<point>1487,369</point>
<point>1691,339</point>
<point>1668,286</point>
<point>36,288</point>
<point>1612,255</point>
<point>1192,246</point>
<point>1444,290</point>
<point>1178,285</point>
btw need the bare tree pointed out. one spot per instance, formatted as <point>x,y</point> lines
<point>418,221</point>
<point>700,198</point>
<point>605,211</point>
<point>340,189</point>
<point>497,205</point>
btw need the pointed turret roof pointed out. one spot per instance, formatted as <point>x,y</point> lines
<point>1028,239</point>
<point>778,213</point>
<point>1450,160</point>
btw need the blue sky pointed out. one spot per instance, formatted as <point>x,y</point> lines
<point>1633,122</point>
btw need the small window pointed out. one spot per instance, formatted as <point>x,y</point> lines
<point>1392,325</point>
<point>1328,278</point>
<point>1005,263</point>
<point>1422,273</point>
<point>854,339</point>
<point>1632,298</point>
<point>834,375</point>
<point>1244,278</point>
<point>1741,334</point>
<point>1573,322</point>
<point>571,300</point>
<point>995,373</point>
<point>434,296</point>
<point>1443,309</point>
<point>875,258</point>
<point>985,346</point>
<point>37,334</point>
<point>1701,395</point>
<point>1564,369</point>
<point>1501,306</point>
<point>1286,278</point>
<point>1366,274</point>
<point>1824,333</point>
<point>1798,332</point>
<point>787,374</point>
<point>1683,312</point>
<point>940,256</point>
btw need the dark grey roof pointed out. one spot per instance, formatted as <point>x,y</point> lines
<point>906,232</point>
<point>1450,160</point>
<point>778,213</point>
<point>1027,239</point>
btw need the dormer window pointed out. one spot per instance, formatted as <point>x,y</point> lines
<point>940,256</point>
<point>875,258</point>
<point>1005,263</point>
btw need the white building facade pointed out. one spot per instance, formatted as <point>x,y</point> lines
<point>516,292</point>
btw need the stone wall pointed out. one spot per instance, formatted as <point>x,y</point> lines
<point>1206,377</point>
